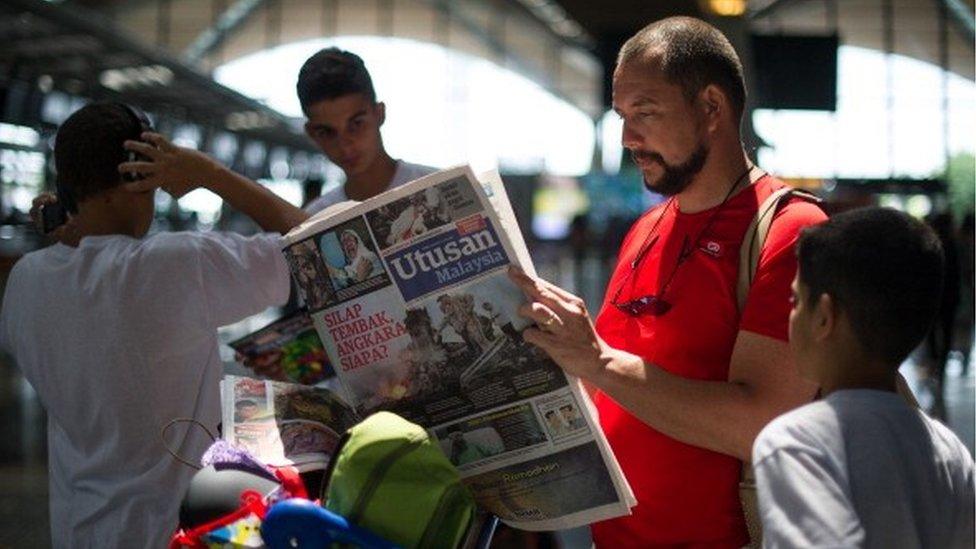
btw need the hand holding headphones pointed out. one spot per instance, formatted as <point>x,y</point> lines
<point>176,170</point>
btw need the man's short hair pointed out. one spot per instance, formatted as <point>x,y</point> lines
<point>883,268</point>
<point>332,73</point>
<point>692,54</point>
<point>89,148</point>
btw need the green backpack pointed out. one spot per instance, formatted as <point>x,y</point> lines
<point>389,477</point>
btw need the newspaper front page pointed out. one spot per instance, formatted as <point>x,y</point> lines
<point>418,317</point>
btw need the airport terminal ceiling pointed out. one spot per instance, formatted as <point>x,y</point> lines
<point>562,45</point>
<point>568,65</point>
<point>858,22</point>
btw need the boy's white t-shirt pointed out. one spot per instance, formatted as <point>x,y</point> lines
<point>405,173</point>
<point>861,468</point>
<point>118,337</point>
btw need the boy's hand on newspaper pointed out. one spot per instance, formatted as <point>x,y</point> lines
<point>565,330</point>
<point>176,170</point>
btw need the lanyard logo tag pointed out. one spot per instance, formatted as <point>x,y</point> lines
<point>712,248</point>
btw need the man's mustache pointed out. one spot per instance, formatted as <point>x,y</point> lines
<point>647,156</point>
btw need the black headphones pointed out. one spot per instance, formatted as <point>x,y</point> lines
<point>66,197</point>
<point>144,126</point>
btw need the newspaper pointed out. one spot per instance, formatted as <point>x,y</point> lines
<point>410,295</point>
<point>284,423</point>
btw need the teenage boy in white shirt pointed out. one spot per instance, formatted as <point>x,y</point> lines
<point>344,120</point>
<point>117,332</point>
<point>861,467</point>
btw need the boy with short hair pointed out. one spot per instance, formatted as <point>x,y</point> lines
<point>344,119</point>
<point>117,332</point>
<point>861,467</point>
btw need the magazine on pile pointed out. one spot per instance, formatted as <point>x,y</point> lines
<point>410,296</point>
<point>288,349</point>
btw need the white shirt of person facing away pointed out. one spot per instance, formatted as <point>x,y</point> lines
<point>119,336</point>
<point>862,468</point>
<point>405,173</point>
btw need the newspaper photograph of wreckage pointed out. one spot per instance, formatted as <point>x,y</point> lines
<point>410,296</point>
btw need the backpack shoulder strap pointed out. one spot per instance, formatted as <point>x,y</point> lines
<point>755,237</point>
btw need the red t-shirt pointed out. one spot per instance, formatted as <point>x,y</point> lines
<point>687,494</point>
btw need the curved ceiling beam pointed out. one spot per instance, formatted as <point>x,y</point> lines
<point>229,21</point>
<point>963,18</point>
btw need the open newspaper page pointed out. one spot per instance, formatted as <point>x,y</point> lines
<point>419,318</point>
<point>284,423</point>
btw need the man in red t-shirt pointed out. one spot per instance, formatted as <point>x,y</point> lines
<point>683,381</point>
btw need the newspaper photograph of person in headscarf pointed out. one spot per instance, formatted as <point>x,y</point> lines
<point>354,268</point>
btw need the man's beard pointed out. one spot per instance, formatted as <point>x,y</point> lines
<point>676,178</point>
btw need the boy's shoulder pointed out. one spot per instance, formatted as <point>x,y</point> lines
<point>408,171</point>
<point>39,257</point>
<point>165,248</point>
<point>947,445</point>
<point>825,425</point>
<point>173,242</point>
<point>25,273</point>
<point>809,428</point>
<point>124,249</point>
<point>168,244</point>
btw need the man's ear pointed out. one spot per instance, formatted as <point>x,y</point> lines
<point>825,317</point>
<point>381,112</point>
<point>714,104</point>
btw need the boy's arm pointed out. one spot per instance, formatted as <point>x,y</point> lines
<point>179,170</point>
<point>268,210</point>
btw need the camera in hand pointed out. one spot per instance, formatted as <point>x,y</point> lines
<point>51,217</point>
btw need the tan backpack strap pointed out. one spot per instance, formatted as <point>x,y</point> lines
<point>755,238</point>
<point>749,498</point>
<point>752,244</point>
